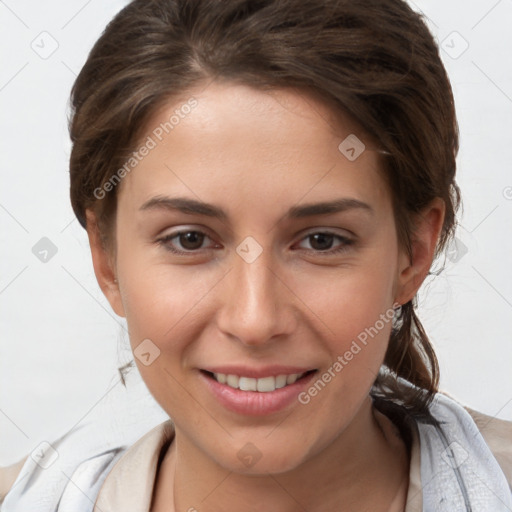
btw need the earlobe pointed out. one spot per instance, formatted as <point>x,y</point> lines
<point>104,265</point>
<point>412,272</point>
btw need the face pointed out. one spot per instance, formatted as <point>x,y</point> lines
<point>248,244</point>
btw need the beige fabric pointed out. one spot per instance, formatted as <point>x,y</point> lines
<point>129,485</point>
<point>8,476</point>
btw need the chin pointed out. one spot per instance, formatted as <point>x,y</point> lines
<point>252,461</point>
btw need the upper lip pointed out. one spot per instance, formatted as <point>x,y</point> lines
<point>257,373</point>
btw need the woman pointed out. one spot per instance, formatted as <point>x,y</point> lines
<point>265,186</point>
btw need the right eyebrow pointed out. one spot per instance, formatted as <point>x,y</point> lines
<point>184,205</point>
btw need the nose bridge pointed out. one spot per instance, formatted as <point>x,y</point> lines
<point>256,306</point>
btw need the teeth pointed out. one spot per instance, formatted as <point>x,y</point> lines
<point>280,381</point>
<point>291,378</point>
<point>263,385</point>
<point>247,384</point>
<point>221,377</point>
<point>232,381</point>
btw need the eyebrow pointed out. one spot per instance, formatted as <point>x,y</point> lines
<point>192,206</point>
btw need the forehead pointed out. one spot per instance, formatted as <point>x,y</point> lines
<point>244,144</point>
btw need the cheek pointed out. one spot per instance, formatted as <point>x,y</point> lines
<point>348,300</point>
<point>354,310</point>
<point>162,302</point>
<point>161,310</point>
<point>360,322</point>
<point>359,317</point>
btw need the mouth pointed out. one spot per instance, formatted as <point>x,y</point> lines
<point>260,385</point>
<point>250,391</point>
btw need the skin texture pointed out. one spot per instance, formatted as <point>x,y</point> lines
<point>256,154</point>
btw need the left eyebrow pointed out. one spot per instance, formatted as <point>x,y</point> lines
<point>326,208</point>
<point>192,206</point>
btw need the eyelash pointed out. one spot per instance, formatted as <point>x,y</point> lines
<point>164,242</point>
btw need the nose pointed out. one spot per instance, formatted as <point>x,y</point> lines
<point>257,305</point>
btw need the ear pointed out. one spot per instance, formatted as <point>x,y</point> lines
<point>427,228</point>
<point>104,265</point>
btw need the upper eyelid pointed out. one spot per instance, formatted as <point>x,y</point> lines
<point>327,230</point>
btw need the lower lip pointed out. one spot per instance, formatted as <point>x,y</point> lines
<point>255,403</point>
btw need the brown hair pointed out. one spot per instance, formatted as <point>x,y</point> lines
<point>374,59</point>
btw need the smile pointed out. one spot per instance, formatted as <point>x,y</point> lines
<point>263,385</point>
<point>256,395</point>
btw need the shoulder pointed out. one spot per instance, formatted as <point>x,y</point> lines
<point>69,473</point>
<point>45,479</point>
<point>497,434</point>
<point>463,458</point>
<point>65,472</point>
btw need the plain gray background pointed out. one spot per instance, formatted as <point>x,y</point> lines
<point>60,342</point>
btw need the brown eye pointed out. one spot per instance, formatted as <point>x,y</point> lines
<point>191,240</point>
<point>321,241</point>
<point>184,242</point>
<point>325,242</point>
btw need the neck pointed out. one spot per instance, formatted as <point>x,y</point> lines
<point>365,468</point>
